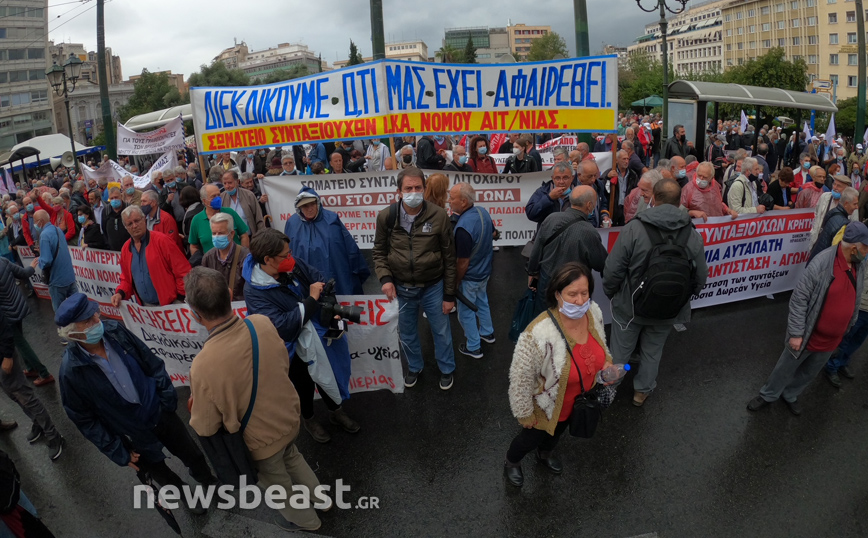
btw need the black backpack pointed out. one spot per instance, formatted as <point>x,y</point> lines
<point>669,276</point>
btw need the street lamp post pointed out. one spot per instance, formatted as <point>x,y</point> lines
<point>62,80</point>
<point>664,25</point>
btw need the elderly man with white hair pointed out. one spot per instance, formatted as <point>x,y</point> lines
<point>152,266</point>
<point>200,227</point>
<point>828,201</point>
<point>702,196</point>
<point>226,257</point>
<point>130,194</point>
<point>639,198</point>
<point>743,195</point>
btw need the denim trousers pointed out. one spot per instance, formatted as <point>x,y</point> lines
<point>476,293</point>
<point>430,299</point>
<point>61,293</point>
<point>852,341</point>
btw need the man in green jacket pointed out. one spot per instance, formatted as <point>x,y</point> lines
<point>415,262</point>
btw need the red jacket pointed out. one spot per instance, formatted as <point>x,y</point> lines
<point>168,226</point>
<point>483,165</point>
<point>53,214</point>
<point>167,267</point>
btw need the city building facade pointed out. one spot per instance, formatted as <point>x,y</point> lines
<point>522,36</point>
<point>60,52</point>
<point>85,109</point>
<point>260,63</point>
<point>414,51</point>
<point>175,79</point>
<point>838,54</point>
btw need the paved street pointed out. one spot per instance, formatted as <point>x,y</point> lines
<point>692,462</point>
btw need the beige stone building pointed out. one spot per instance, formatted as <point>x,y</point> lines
<point>522,36</point>
<point>752,28</point>
<point>838,53</point>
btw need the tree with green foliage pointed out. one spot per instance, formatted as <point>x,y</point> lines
<point>449,54</point>
<point>469,55</point>
<point>151,92</point>
<point>641,77</point>
<point>771,70</point>
<point>355,55</point>
<point>284,74</point>
<point>217,74</point>
<point>547,47</point>
<point>98,140</point>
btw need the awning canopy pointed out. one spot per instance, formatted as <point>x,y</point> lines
<point>649,102</point>
<point>158,118</point>
<point>718,92</point>
<point>46,147</point>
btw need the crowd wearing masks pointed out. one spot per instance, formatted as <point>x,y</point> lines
<point>206,241</point>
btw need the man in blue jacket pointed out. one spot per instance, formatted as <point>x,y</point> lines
<point>287,291</point>
<point>118,394</point>
<point>320,239</point>
<point>552,196</point>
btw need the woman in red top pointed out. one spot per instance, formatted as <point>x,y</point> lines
<point>480,158</point>
<point>544,378</point>
<point>59,216</point>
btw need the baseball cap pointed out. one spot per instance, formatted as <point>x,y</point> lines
<point>856,232</point>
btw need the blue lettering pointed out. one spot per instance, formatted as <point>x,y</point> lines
<point>519,87</point>
<point>362,75</point>
<point>578,82</point>
<point>374,91</point>
<point>437,87</point>
<point>354,111</point>
<point>419,104</point>
<point>454,98</point>
<point>393,87</point>
<point>590,84</point>
<point>224,107</point>
<point>210,116</point>
<point>530,97</point>
<point>564,82</point>
<point>236,107</point>
<point>281,104</point>
<point>603,86</point>
<point>295,94</point>
<point>308,100</point>
<point>251,104</point>
<point>320,97</point>
<point>500,94</point>
<point>265,114</point>
<point>479,88</point>
<point>551,84</point>
<point>467,88</point>
<point>409,90</point>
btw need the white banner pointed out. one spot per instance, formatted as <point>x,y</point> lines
<point>98,274</point>
<point>174,336</point>
<point>386,97</point>
<point>39,285</point>
<point>168,137</point>
<point>115,172</point>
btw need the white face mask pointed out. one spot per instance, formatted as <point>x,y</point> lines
<point>703,184</point>
<point>516,150</point>
<point>574,311</point>
<point>412,199</point>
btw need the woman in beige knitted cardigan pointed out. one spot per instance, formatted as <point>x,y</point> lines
<point>543,380</point>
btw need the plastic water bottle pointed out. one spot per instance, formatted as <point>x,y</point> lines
<point>612,373</point>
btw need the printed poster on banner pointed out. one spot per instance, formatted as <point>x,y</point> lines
<point>98,274</point>
<point>357,198</point>
<point>115,172</point>
<point>389,98</point>
<point>174,336</point>
<point>169,136</point>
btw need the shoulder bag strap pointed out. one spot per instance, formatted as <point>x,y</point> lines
<point>570,351</point>
<point>560,231</point>
<point>234,268</point>
<point>255,343</point>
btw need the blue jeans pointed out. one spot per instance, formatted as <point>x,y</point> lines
<point>61,293</point>
<point>431,301</point>
<point>852,341</point>
<point>476,293</point>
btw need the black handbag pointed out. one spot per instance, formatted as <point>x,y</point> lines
<point>587,412</point>
<point>228,452</point>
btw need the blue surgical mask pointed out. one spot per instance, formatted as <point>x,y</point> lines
<point>171,185</point>
<point>116,204</point>
<point>574,311</point>
<point>29,208</point>
<point>221,242</point>
<point>216,203</point>
<point>482,151</point>
<point>567,192</point>
<point>93,334</point>
<point>232,192</point>
<point>836,195</point>
<point>131,191</point>
<point>375,142</point>
<point>439,138</point>
<point>682,173</point>
<point>16,216</point>
<point>82,219</point>
<point>462,159</point>
<point>37,228</point>
<point>806,165</point>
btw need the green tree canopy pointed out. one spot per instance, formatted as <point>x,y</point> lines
<point>355,55</point>
<point>284,74</point>
<point>469,55</point>
<point>151,92</point>
<point>449,54</point>
<point>547,47</point>
<point>217,74</point>
<point>641,77</point>
<point>771,70</point>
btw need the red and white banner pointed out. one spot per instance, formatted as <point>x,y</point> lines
<point>174,336</point>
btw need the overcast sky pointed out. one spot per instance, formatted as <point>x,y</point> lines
<point>182,35</point>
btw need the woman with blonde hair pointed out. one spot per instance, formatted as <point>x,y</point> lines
<point>436,189</point>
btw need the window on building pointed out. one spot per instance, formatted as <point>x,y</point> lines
<point>782,25</point>
<point>833,18</point>
<point>831,1</point>
<point>729,46</point>
<point>752,29</point>
<point>797,41</point>
<point>794,4</point>
<point>780,7</point>
<point>751,13</point>
<point>833,79</point>
<point>739,31</point>
<point>738,16</point>
<point>17,99</point>
<point>812,59</point>
<point>852,59</point>
<point>16,54</point>
<point>727,18</point>
<point>767,26</point>
<point>833,59</point>
<point>833,39</point>
<point>729,32</point>
<point>37,74</point>
<point>851,16</point>
<point>852,81</point>
<point>851,38</point>
<point>35,54</point>
<point>729,62</point>
<point>753,44</point>
<point>782,42</point>
<point>810,3</point>
<point>767,44</point>
<point>811,21</point>
<point>740,45</point>
<point>795,23</point>
<point>812,40</point>
<point>765,10</point>
<point>15,11</point>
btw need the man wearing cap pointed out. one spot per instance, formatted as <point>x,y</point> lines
<point>118,394</point>
<point>823,307</point>
<point>856,161</point>
<point>828,201</point>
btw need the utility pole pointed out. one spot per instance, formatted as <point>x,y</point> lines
<point>580,12</point>
<point>860,95</point>
<point>378,41</point>
<point>108,125</point>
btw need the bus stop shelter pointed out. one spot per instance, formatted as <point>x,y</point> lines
<point>756,96</point>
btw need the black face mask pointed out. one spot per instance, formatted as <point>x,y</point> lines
<point>408,159</point>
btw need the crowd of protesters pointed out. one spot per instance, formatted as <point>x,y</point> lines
<point>206,238</point>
